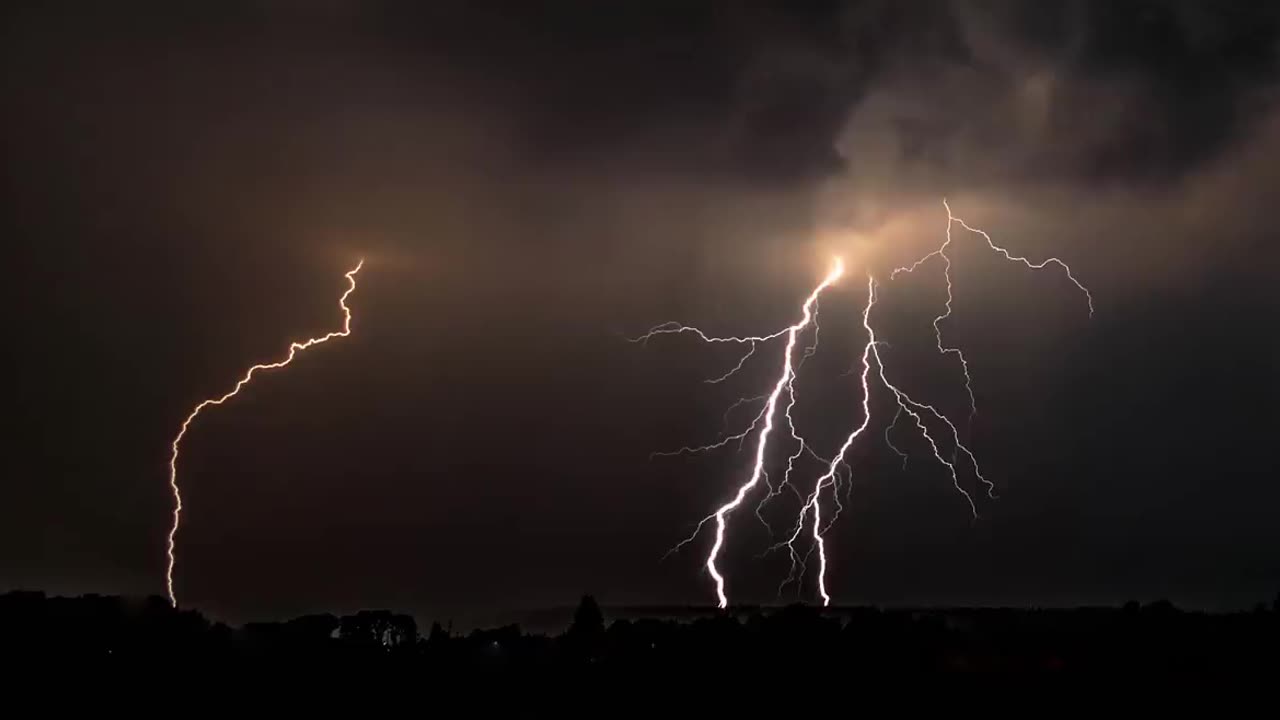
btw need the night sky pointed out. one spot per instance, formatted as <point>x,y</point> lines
<point>531,183</point>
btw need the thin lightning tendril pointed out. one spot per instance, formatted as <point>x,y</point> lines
<point>912,408</point>
<point>946,313</point>
<point>740,437</point>
<point>889,441</point>
<point>734,370</point>
<point>941,252</point>
<point>294,349</point>
<point>738,403</point>
<point>1015,258</point>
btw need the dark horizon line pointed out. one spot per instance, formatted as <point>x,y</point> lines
<point>676,611</point>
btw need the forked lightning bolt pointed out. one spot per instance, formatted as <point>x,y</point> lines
<point>783,383</point>
<point>906,404</point>
<point>871,351</point>
<point>936,429</point>
<point>294,349</point>
<point>829,477</point>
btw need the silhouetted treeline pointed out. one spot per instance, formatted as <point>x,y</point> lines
<point>1154,637</point>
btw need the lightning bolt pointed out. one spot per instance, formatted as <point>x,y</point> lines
<point>294,349</point>
<point>830,477</point>
<point>766,415</point>
<point>916,410</point>
<point>938,431</point>
<point>905,404</point>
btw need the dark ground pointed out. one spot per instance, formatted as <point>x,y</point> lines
<point>1156,637</point>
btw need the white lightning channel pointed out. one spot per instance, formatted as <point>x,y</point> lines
<point>913,408</point>
<point>829,477</point>
<point>783,383</point>
<point>294,349</point>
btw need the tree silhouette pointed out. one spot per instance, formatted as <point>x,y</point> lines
<point>588,621</point>
<point>585,636</point>
<point>438,633</point>
<point>379,628</point>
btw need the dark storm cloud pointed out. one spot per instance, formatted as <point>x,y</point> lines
<point>1084,92</point>
<point>1083,122</point>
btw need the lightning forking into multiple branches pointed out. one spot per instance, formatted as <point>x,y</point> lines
<point>941,252</point>
<point>928,418</point>
<point>294,349</point>
<point>784,383</point>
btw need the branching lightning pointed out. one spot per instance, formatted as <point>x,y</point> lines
<point>784,383</point>
<point>829,477</point>
<point>871,351</point>
<point>941,252</point>
<point>294,349</point>
<point>938,431</point>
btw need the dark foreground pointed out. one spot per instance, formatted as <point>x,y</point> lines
<point>1156,637</point>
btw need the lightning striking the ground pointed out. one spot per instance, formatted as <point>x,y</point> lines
<point>905,404</point>
<point>294,349</point>
<point>784,383</point>
<point>939,432</point>
<point>829,477</point>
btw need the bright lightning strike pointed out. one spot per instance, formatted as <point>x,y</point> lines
<point>766,416</point>
<point>871,351</point>
<point>829,478</point>
<point>294,349</point>
<point>784,382</point>
<point>937,430</point>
